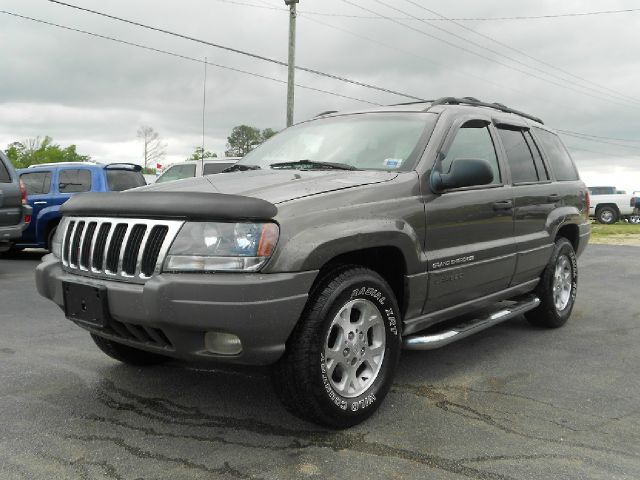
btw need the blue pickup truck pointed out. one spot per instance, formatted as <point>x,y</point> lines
<point>50,185</point>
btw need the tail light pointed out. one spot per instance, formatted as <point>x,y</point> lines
<point>632,203</point>
<point>23,196</point>
<point>587,202</point>
<point>23,193</point>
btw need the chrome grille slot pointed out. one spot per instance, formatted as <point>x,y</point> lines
<point>130,257</point>
<point>115,247</point>
<point>75,245</point>
<point>97,258</point>
<point>129,250</point>
<point>154,243</point>
<point>86,246</point>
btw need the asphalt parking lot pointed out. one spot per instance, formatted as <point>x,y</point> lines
<point>512,402</point>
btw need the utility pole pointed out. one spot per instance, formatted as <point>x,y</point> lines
<point>292,59</point>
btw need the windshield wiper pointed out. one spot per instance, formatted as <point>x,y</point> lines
<point>239,167</point>
<point>312,164</point>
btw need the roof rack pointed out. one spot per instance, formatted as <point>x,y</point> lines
<point>477,103</point>
<point>326,113</point>
<point>56,164</point>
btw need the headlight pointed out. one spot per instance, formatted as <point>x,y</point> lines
<point>56,242</point>
<point>222,247</point>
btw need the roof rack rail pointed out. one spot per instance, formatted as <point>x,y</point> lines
<point>477,103</point>
<point>326,113</point>
<point>410,103</point>
<point>63,164</point>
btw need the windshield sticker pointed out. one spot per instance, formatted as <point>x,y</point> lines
<point>392,162</point>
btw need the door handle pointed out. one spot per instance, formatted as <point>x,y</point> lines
<point>506,205</point>
<point>554,198</point>
<point>39,203</point>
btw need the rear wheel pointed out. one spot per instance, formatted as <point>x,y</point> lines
<point>607,215</point>
<point>127,354</point>
<point>557,288</point>
<point>341,358</point>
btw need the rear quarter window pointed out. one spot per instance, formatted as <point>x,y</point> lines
<point>557,155</point>
<point>119,180</point>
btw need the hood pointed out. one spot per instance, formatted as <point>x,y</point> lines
<point>275,186</point>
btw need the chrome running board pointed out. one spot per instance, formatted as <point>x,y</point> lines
<point>469,327</point>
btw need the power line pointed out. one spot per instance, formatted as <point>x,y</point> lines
<point>439,19</point>
<point>580,137</point>
<point>542,62</point>
<point>184,57</point>
<point>464,49</point>
<point>569,132</point>
<point>570,147</point>
<point>238,51</point>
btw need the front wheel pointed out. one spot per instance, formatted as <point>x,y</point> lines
<point>341,358</point>
<point>607,215</point>
<point>557,288</point>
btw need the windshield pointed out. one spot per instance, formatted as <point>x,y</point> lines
<point>375,141</point>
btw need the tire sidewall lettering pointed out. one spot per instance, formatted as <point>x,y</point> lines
<point>390,318</point>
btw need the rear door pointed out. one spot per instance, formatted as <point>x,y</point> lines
<point>38,186</point>
<point>534,199</point>
<point>469,240</point>
<point>71,181</point>
<point>10,196</point>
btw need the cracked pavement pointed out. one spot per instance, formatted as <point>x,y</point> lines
<point>512,402</point>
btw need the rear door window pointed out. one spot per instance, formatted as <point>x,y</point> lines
<point>37,183</point>
<point>519,156</point>
<point>73,180</point>
<point>119,180</point>
<point>211,168</point>
<point>178,172</point>
<point>557,155</point>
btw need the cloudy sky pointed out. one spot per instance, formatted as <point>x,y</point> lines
<point>579,73</point>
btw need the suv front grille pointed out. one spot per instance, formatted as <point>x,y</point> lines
<point>130,250</point>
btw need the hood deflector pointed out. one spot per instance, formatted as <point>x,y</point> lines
<point>179,205</point>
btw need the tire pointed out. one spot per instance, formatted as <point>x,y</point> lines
<point>607,215</point>
<point>126,354</point>
<point>326,349</point>
<point>635,219</point>
<point>557,288</point>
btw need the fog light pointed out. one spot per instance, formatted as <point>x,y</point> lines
<point>222,343</point>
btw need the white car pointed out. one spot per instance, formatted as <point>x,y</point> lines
<point>194,168</point>
<point>608,206</point>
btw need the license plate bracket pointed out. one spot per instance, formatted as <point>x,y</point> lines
<point>86,304</point>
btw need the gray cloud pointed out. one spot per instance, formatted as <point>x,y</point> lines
<point>96,93</point>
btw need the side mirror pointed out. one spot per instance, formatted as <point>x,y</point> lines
<point>465,172</point>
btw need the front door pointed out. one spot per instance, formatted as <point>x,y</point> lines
<point>469,240</point>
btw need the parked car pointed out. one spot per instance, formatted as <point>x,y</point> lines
<point>608,206</point>
<point>15,213</point>
<point>194,168</point>
<point>48,186</point>
<point>330,247</point>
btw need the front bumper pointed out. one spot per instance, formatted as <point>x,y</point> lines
<point>261,309</point>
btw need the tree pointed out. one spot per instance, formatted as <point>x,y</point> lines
<point>154,147</point>
<point>199,153</point>
<point>33,151</point>
<point>244,138</point>
<point>267,133</point>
